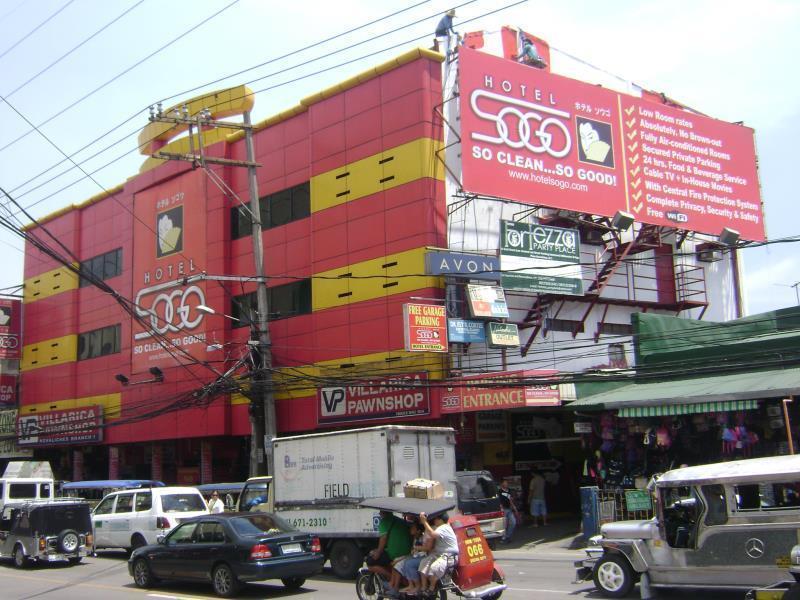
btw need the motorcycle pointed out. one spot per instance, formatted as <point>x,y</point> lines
<point>474,574</point>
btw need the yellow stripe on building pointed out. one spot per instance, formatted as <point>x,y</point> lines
<point>55,351</point>
<point>392,274</point>
<point>111,403</point>
<point>49,284</point>
<point>382,171</point>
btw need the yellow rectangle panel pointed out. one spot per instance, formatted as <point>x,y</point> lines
<point>382,171</point>
<point>111,404</point>
<point>376,278</point>
<point>55,351</point>
<point>385,364</point>
<point>49,284</point>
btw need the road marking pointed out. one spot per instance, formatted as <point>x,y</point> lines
<point>543,591</point>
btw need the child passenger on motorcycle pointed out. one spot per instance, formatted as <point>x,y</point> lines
<point>408,567</point>
<point>443,554</point>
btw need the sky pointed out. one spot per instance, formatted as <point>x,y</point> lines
<point>84,72</point>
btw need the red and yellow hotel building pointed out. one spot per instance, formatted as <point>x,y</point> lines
<point>354,194</point>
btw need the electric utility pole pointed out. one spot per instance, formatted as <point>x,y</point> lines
<point>263,426</point>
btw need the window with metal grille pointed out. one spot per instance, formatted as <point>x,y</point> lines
<point>563,325</point>
<point>99,342</point>
<point>284,301</point>
<point>104,266</point>
<point>277,209</point>
<point>616,328</point>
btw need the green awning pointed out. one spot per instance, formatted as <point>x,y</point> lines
<point>671,410</point>
<point>734,387</point>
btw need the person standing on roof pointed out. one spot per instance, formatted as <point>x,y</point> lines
<point>530,56</point>
<point>445,31</point>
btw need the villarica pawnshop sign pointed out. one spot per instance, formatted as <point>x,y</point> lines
<point>539,258</point>
<point>539,138</point>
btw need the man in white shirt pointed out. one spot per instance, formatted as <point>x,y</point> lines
<point>215,505</point>
<point>443,554</point>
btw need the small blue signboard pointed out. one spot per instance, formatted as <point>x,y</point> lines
<point>464,331</point>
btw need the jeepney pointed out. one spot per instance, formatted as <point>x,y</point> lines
<point>728,525</point>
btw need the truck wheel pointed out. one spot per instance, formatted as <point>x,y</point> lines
<point>613,576</point>
<point>68,541</point>
<point>137,541</point>
<point>293,583</point>
<point>346,559</point>
<point>20,560</point>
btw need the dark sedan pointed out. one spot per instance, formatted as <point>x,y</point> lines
<point>229,549</point>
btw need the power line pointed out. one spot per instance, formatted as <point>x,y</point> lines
<point>35,29</point>
<point>118,75</point>
<point>74,48</point>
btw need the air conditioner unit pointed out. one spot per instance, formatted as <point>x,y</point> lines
<point>593,236</point>
<point>709,253</point>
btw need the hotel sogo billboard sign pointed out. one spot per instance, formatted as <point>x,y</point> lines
<point>10,323</point>
<point>539,138</point>
<point>169,242</point>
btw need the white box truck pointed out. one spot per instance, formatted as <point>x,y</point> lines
<point>320,478</point>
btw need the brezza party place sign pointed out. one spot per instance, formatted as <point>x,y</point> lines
<point>548,140</point>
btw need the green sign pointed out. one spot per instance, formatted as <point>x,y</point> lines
<point>638,500</point>
<point>539,258</point>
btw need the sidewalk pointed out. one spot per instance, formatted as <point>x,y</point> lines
<point>561,536</point>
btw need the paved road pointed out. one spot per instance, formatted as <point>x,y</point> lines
<point>531,576</point>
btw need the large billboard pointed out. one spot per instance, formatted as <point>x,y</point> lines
<point>10,322</point>
<point>543,139</point>
<point>169,242</point>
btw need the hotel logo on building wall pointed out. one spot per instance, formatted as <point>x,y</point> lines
<point>169,244</point>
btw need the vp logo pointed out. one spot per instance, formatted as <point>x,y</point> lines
<point>332,402</point>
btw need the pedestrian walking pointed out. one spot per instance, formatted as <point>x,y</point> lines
<point>510,512</point>
<point>536,499</point>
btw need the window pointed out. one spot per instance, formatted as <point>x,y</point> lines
<point>717,512</point>
<point>183,503</point>
<point>209,533</point>
<point>182,534</point>
<point>99,342</point>
<point>105,266</point>
<point>44,490</point>
<point>681,507</point>
<point>616,329</point>
<point>144,501</point>
<point>768,496</point>
<point>277,209</point>
<point>21,490</point>
<point>124,503</point>
<point>563,325</point>
<point>284,301</point>
<point>105,507</point>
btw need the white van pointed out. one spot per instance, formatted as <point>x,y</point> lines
<point>133,518</point>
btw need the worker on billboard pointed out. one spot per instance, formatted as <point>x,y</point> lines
<point>530,56</point>
<point>445,31</point>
